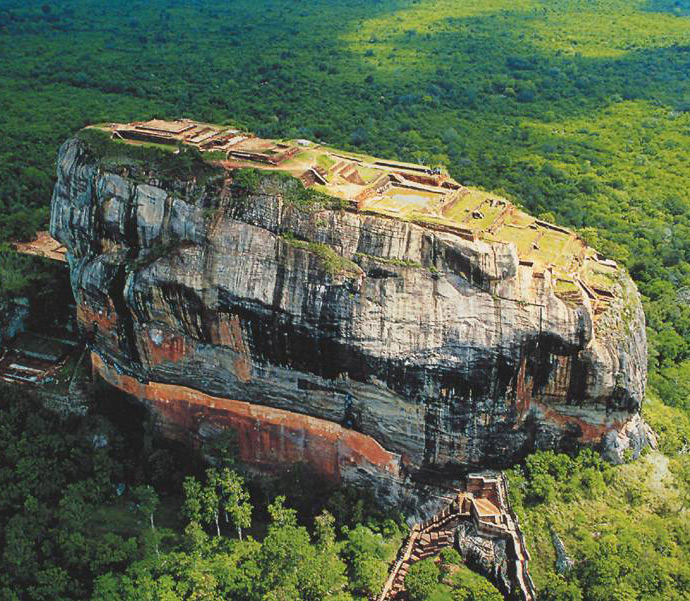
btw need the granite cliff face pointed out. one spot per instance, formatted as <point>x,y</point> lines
<point>353,341</point>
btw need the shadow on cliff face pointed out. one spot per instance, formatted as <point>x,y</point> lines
<point>126,336</point>
<point>146,456</point>
<point>543,353</point>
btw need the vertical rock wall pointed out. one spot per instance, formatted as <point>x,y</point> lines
<point>445,352</point>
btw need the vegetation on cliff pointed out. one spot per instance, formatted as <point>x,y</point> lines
<point>169,163</point>
<point>448,580</point>
<point>333,263</point>
<point>250,181</point>
<point>623,528</point>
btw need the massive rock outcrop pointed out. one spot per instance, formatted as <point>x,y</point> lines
<point>356,342</point>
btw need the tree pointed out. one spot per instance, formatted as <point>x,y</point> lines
<point>473,587</point>
<point>324,530</point>
<point>283,550</point>
<point>210,505</point>
<point>281,515</point>
<point>293,568</point>
<point>223,491</point>
<point>542,488</point>
<point>234,498</point>
<point>422,579</point>
<point>560,589</point>
<point>146,501</point>
<point>365,554</point>
<point>192,499</point>
<point>322,573</point>
<point>202,503</point>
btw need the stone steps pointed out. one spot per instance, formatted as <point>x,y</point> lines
<point>429,544</point>
<point>429,538</point>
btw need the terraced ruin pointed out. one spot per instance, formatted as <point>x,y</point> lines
<point>405,191</point>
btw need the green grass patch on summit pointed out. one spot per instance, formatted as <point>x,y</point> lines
<point>333,263</point>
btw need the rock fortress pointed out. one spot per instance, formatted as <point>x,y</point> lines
<point>373,319</point>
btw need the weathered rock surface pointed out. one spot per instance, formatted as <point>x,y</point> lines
<point>447,352</point>
<point>486,554</point>
<point>564,563</point>
<point>13,317</point>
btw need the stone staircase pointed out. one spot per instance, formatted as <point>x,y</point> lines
<point>426,539</point>
<point>524,580</point>
<point>427,544</point>
<point>486,504</point>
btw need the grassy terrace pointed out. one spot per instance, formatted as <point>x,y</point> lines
<point>395,189</point>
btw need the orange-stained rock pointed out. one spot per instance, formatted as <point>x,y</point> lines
<point>268,438</point>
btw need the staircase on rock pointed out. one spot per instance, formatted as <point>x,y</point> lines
<point>485,504</point>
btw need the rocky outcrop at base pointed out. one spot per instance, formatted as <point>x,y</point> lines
<point>629,441</point>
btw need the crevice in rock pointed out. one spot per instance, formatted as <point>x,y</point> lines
<point>377,273</point>
<point>126,335</point>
